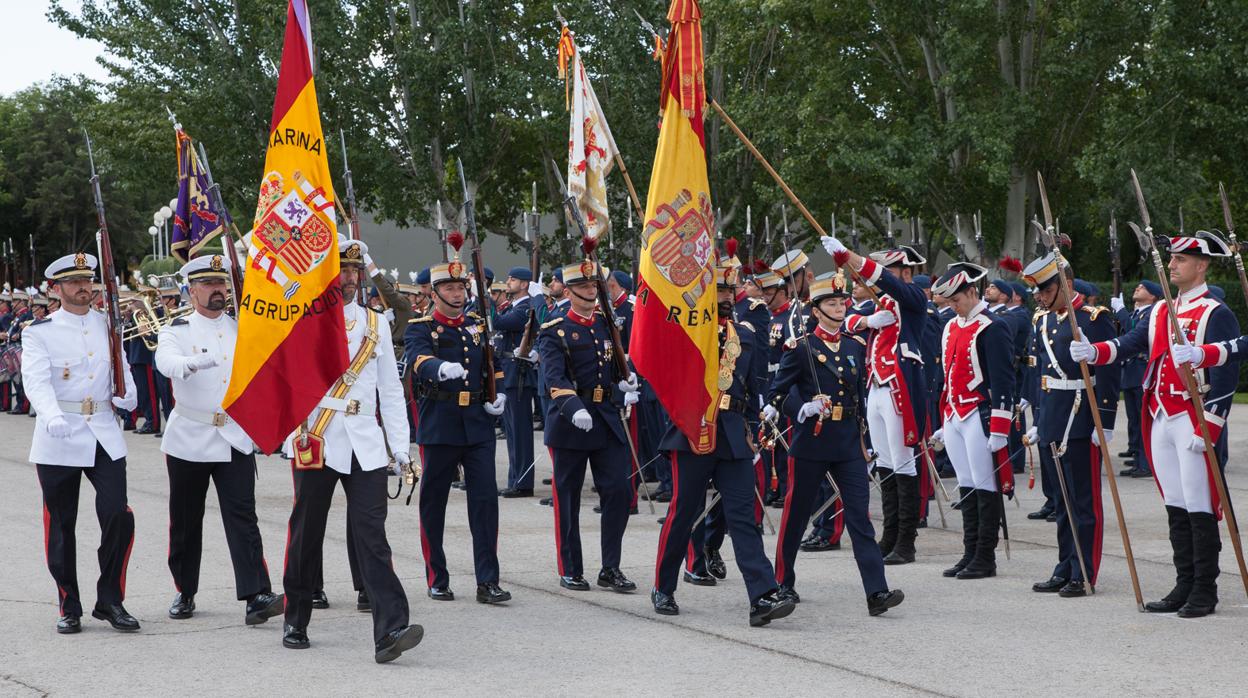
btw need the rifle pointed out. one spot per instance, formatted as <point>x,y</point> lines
<point>532,223</point>
<point>749,238</point>
<point>888,230</point>
<point>489,384</point>
<point>1230,232</point>
<point>604,298</point>
<point>228,230</point>
<point>441,231</point>
<point>853,246</point>
<point>979,250</point>
<point>957,233</point>
<point>353,214</point>
<point>31,238</point>
<point>4,252</point>
<point>1114,255</point>
<point>108,277</point>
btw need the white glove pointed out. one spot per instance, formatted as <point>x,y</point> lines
<point>449,371</point>
<point>401,458</point>
<point>127,402</point>
<point>770,413</point>
<point>1116,303</point>
<point>996,442</point>
<point>199,361</point>
<point>1082,351</point>
<point>1187,354</point>
<point>938,436</point>
<point>496,408</point>
<point>631,399</point>
<point>581,420</point>
<point>1032,436</point>
<point>535,289</point>
<point>1023,404</point>
<point>1196,445</point>
<point>832,245</point>
<point>368,263</point>
<point>1109,436</point>
<point>58,428</point>
<point>884,318</point>
<point>389,314</point>
<point>629,385</point>
<point>808,410</point>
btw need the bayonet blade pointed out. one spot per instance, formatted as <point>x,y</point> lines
<point>1139,199</point>
<point>1145,240</point>
<point>1226,211</point>
<point>1044,201</point>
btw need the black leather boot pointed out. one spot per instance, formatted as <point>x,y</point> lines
<point>1181,544</point>
<point>984,564</point>
<point>1205,548</point>
<point>970,529</point>
<point>907,520</point>
<point>888,503</point>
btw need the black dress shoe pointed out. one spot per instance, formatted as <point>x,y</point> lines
<point>117,617</point>
<point>490,592</point>
<point>514,493</point>
<point>664,604</point>
<point>1190,610</point>
<point>362,603</point>
<point>921,524</point>
<point>881,601</point>
<point>545,481</point>
<point>319,599</point>
<point>769,607</point>
<point>574,583</point>
<point>1127,471</point>
<point>663,496</point>
<point>183,607</point>
<point>546,501</point>
<point>1051,518</point>
<point>441,594</point>
<point>1053,584</point>
<point>127,427</point>
<point>145,429</point>
<point>662,519</point>
<point>897,557</point>
<point>613,578</point>
<point>1072,590</point>
<point>396,642</point>
<point>295,638</point>
<point>715,564</point>
<point>785,592</point>
<point>1166,605</point>
<point>702,580</point>
<point>817,544</point>
<point>947,474</point>
<point>158,434</point>
<point>974,571</point>
<point>1140,472</point>
<point>631,512</point>
<point>69,625</point>
<point>264,606</point>
<point>1043,513</point>
<point>1126,454</point>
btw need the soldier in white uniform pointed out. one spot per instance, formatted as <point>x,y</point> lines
<point>68,379</point>
<point>201,443</point>
<point>343,440</point>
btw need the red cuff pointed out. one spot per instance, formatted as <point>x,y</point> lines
<point>855,323</point>
<point>1213,355</point>
<point>999,425</point>
<point>870,271</point>
<point>1215,424</point>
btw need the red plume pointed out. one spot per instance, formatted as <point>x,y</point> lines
<point>456,239</point>
<point>730,247</point>
<point>760,266</point>
<point>1008,263</point>
<point>588,244</point>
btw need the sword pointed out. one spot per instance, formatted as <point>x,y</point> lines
<point>1070,514</point>
<point>632,450</point>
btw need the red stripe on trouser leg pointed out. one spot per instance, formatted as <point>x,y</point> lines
<point>1098,514</point>
<point>554,501</point>
<point>784,523</point>
<point>125,561</point>
<point>47,532</point>
<point>424,540</point>
<point>838,521</point>
<point>689,554</point>
<point>151,390</point>
<point>667,522</point>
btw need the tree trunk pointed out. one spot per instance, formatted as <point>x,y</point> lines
<point>1015,240</point>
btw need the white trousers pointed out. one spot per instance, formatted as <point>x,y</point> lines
<point>1182,474</point>
<point>888,435</point>
<point>967,446</point>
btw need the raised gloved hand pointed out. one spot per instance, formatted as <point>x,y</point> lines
<point>631,399</point>
<point>1196,444</point>
<point>1032,436</point>
<point>1109,437</point>
<point>1082,351</point>
<point>368,264</point>
<point>535,288</point>
<point>770,413</point>
<point>581,420</point>
<point>938,436</point>
<point>496,408</point>
<point>834,247</point>
<point>126,402</point>
<point>200,361</point>
<point>883,318</point>
<point>996,442</point>
<point>629,385</point>
<point>58,428</point>
<point>808,410</point>
<point>1187,354</point>
<point>449,371</point>
<point>1116,303</point>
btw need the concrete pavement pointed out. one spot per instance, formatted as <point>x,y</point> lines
<point>950,637</point>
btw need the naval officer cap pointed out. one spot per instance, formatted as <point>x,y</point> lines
<point>79,265</point>
<point>203,268</point>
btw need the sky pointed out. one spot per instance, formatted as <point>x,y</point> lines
<point>33,49</point>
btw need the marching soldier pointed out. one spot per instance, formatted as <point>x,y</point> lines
<point>1064,424</point>
<point>520,382</point>
<point>202,443</point>
<point>828,406</point>
<point>67,373</point>
<point>584,426</point>
<point>729,467</point>
<point>975,409</point>
<point>21,315</point>
<point>344,441</point>
<point>1143,297</point>
<point>1173,442</point>
<point>142,362</point>
<point>446,350</point>
<point>896,397</point>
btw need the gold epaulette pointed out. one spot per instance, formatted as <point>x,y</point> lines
<point>552,323</point>
<point>423,318</point>
<point>1038,314</point>
<point>858,338</point>
<point>756,302</point>
<point>746,325</point>
<point>1093,310</point>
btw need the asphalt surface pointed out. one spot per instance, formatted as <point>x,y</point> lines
<point>949,637</point>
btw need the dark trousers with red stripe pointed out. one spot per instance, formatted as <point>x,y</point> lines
<point>435,485</point>
<point>60,516</point>
<point>149,401</point>
<point>1081,467</point>
<point>353,562</point>
<point>518,428</point>
<point>366,510</point>
<point>734,479</point>
<point>164,393</point>
<point>851,477</point>
<point>235,481</point>
<point>5,398</point>
<point>831,523</point>
<point>610,468</point>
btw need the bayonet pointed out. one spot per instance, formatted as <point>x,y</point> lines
<point>489,384</point>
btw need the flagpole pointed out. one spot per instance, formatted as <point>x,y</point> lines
<point>628,181</point>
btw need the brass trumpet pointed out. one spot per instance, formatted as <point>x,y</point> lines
<point>146,321</point>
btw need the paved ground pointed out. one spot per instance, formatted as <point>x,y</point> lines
<point>949,637</point>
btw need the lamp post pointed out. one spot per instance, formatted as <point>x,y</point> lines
<point>153,231</point>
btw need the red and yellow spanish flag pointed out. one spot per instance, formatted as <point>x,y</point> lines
<point>675,343</point>
<point>291,334</point>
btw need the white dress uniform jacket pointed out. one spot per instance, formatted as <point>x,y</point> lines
<point>65,363</point>
<point>377,384</point>
<point>198,429</point>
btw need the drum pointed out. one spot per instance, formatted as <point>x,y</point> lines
<point>12,360</point>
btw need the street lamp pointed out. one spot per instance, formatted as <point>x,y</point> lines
<point>153,231</point>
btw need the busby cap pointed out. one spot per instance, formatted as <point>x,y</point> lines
<point>957,277</point>
<point>79,265</point>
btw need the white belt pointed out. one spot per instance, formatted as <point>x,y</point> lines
<point>85,407</point>
<point>349,407</point>
<point>772,368</point>
<point>1050,383</point>
<point>216,418</point>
